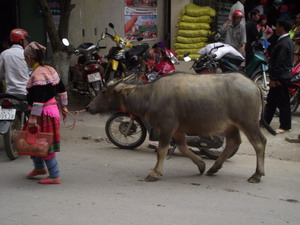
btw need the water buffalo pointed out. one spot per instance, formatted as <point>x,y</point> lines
<point>182,104</point>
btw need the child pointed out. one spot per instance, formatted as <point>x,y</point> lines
<point>264,30</point>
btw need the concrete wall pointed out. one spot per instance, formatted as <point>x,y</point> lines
<point>94,15</point>
<point>176,8</point>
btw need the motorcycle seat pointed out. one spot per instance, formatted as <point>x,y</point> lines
<point>15,96</point>
<point>138,50</point>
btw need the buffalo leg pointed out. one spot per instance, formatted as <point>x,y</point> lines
<point>161,154</point>
<point>233,141</point>
<point>258,141</point>
<point>182,146</point>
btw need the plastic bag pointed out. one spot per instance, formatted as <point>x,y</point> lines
<point>195,10</point>
<point>194,33</point>
<point>220,52</point>
<point>198,19</point>
<point>184,46</point>
<point>193,26</point>
<point>186,40</point>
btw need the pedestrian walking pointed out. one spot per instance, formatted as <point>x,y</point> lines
<point>42,88</point>
<point>281,62</point>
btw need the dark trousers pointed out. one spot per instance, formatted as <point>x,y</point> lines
<point>278,97</point>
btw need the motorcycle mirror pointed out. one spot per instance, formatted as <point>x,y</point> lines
<point>111,25</point>
<point>66,42</point>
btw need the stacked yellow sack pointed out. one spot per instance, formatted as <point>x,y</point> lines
<point>193,29</point>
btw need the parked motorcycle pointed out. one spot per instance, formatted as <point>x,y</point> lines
<point>123,62</point>
<point>223,56</point>
<point>127,131</point>
<point>13,110</point>
<point>162,59</point>
<point>90,65</point>
<point>294,88</point>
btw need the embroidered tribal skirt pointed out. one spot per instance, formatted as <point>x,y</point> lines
<point>51,125</point>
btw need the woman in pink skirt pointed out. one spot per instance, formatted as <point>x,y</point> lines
<point>43,86</point>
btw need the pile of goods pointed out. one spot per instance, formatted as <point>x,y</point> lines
<point>193,29</point>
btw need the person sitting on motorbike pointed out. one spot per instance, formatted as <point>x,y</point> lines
<point>151,58</point>
<point>235,32</point>
<point>265,32</point>
<point>167,59</point>
<point>161,50</point>
<point>13,67</point>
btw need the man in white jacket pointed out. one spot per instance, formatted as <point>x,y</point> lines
<point>13,67</point>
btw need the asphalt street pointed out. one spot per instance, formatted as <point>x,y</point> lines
<point>102,184</point>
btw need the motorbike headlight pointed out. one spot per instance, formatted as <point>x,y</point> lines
<point>121,44</point>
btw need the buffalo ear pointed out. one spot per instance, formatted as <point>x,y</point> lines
<point>123,89</point>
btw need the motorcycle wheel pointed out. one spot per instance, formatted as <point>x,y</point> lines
<point>213,147</point>
<point>295,104</point>
<point>9,144</point>
<point>116,127</point>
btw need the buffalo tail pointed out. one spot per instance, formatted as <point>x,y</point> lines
<point>262,118</point>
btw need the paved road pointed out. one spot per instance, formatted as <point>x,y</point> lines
<point>104,185</point>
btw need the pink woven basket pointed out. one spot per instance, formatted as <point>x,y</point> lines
<point>32,142</point>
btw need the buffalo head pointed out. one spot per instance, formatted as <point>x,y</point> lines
<point>109,99</point>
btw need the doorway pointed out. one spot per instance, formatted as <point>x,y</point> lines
<point>8,21</point>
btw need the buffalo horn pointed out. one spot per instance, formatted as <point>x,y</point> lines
<point>113,83</point>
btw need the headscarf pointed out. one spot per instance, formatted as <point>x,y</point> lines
<point>31,50</point>
<point>42,75</point>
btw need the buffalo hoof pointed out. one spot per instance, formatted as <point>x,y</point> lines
<point>212,170</point>
<point>151,179</point>
<point>201,167</point>
<point>254,179</point>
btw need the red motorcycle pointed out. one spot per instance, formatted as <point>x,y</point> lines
<point>160,61</point>
<point>294,89</point>
<point>91,67</point>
